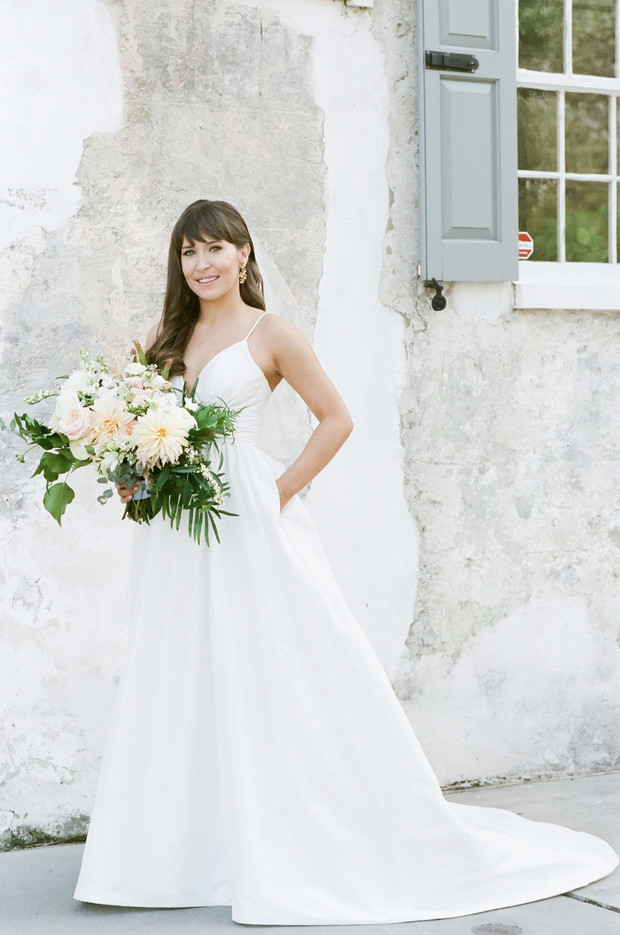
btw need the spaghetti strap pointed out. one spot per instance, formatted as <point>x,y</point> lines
<point>254,325</point>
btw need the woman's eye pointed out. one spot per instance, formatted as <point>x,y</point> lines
<point>187,252</point>
<point>215,247</point>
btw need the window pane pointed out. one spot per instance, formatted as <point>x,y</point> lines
<point>541,31</point>
<point>586,222</point>
<point>594,37</point>
<point>587,133</point>
<point>537,130</point>
<point>538,206</point>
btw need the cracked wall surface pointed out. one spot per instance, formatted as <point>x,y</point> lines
<point>511,473</point>
<point>471,518</point>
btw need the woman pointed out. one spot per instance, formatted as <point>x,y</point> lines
<point>211,305</point>
<point>258,756</point>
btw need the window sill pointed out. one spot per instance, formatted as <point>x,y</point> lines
<point>583,286</point>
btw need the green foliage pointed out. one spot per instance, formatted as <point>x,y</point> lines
<point>537,117</point>
<point>139,354</point>
<point>53,464</point>
<point>35,433</point>
<point>183,489</point>
<point>538,216</point>
<point>594,37</point>
<point>57,498</point>
<point>586,236</point>
<point>541,31</point>
<point>212,422</point>
<point>186,487</point>
<point>55,461</point>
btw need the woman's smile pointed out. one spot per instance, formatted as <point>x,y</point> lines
<point>211,267</point>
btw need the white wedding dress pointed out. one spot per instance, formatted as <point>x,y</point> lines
<point>258,756</point>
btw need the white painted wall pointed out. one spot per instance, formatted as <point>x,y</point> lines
<point>512,665</point>
<point>61,81</point>
<point>373,546</point>
<point>61,645</point>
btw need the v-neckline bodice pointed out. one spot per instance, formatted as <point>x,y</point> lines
<point>227,348</point>
<point>219,353</point>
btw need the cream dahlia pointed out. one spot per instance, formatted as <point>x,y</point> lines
<point>110,419</point>
<point>160,435</point>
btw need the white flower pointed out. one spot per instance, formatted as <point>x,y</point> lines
<point>109,461</point>
<point>165,401</point>
<point>78,448</point>
<point>76,422</point>
<point>67,400</point>
<point>111,420</point>
<point>124,445</point>
<point>160,435</point>
<point>39,395</point>
<point>107,384</point>
<point>191,404</point>
<point>135,369</point>
<point>79,380</point>
<point>158,382</point>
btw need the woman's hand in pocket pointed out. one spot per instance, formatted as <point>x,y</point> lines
<point>284,495</point>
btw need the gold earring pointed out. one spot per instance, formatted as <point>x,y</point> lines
<point>243,275</point>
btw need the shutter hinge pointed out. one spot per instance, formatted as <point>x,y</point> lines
<point>452,61</point>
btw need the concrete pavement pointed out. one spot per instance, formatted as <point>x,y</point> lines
<point>36,885</point>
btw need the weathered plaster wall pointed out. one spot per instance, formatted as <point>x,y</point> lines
<point>511,471</point>
<point>511,431</point>
<point>490,434</point>
<point>359,340</point>
<point>59,641</point>
<point>61,82</point>
<point>217,100</point>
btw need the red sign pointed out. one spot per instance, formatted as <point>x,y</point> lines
<point>526,245</point>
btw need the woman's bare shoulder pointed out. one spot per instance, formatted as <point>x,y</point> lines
<point>280,330</point>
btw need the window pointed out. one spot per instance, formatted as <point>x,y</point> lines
<point>568,156</point>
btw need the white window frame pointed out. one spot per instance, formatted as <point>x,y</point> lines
<point>573,285</point>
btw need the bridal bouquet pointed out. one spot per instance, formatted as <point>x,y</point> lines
<point>132,427</point>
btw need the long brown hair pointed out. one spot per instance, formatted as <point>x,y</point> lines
<point>216,220</point>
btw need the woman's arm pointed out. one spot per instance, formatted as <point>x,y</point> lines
<point>296,362</point>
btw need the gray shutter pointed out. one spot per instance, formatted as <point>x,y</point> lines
<point>468,216</point>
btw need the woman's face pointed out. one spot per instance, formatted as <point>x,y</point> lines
<point>211,267</point>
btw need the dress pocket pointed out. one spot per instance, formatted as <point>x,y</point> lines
<point>276,495</point>
<point>269,471</point>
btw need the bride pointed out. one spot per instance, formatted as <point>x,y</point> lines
<point>258,756</point>
<point>214,292</point>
